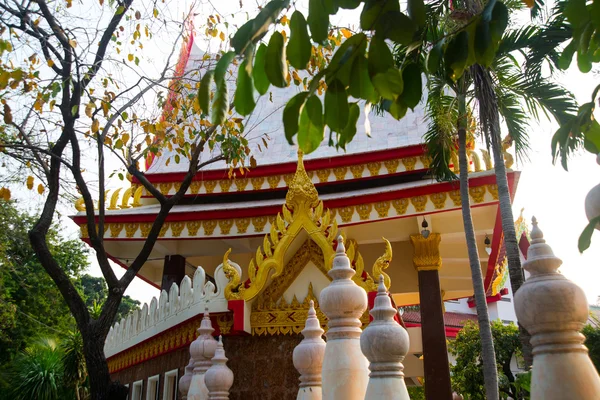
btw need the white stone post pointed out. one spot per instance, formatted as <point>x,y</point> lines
<point>385,344</point>
<point>186,379</point>
<point>345,369</point>
<point>202,350</point>
<point>308,357</point>
<point>554,310</point>
<point>219,378</point>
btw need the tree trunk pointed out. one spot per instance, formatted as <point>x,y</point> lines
<point>490,372</point>
<point>510,236</point>
<point>101,386</point>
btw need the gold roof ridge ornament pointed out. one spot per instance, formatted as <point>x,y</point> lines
<point>382,263</point>
<point>301,192</point>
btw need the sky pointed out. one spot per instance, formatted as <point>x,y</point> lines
<point>555,197</point>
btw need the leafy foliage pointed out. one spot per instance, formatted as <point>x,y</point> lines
<point>592,342</point>
<point>94,292</point>
<point>467,373</point>
<point>29,297</point>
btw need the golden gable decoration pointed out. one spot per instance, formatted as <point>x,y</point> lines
<point>302,211</point>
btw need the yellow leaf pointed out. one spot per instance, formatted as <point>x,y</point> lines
<point>5,193</point>
<point>89,109</point>
<point>222,36</point>
<point>72,43</point>
<point>346,33</point>
<point>95,126</point>
<point>69,3</point>
<point>8,119</point>
<point>50,63</point>
<point>284,20</point>
<point>30,182</point>
<point>125,138</point>
<point>130,57</point>
<point>155,12</point>
<point>41,188</point>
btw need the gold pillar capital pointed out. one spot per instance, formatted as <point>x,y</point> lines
<point>426,252</point>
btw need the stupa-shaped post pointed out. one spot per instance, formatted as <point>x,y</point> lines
<point>202,350</point>
<point>186,379</point>
<point>554,310</point>
<point>219,378</point>
<point>385,344</point>
<point>345,370</point>
<point>308,357</point>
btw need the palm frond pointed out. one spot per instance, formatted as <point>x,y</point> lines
<point>516,120</point>
<point>442,114</point>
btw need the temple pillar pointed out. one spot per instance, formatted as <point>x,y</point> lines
<point>173,271</point>
<point>427,261</point>
<point>554,310</point>
<point>345,369</point>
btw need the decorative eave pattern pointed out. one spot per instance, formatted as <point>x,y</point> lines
<point>320,171</point>
<point>343,211</point>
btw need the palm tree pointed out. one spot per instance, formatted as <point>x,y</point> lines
<point>502,90</point>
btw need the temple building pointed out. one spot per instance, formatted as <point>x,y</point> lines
<point>255,250</point>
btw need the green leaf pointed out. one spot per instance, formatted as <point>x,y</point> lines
<point>299,47</point>
<point>261,81</point>
<point>222,65</point>
<point>585,240</point>
<point>348,133</point>
<point>244,92</point>
<point>380,56</point>
<point>398,108</point>
<point>592,137</point>
<point>595,13</point>
<point>564,61</point>
<point>253,30</point>
<point>576,13</point>
<point>241,39</point>
<point>349,4</point>
<point>584,62</point>
<point>220,105</point>
<point>413,87</point>
<point>389,84</point>
<point>486,14</point>
<point>499,21</point>
<point>336,106</point>
<point>74,110</point>
<point>340,66</point>
<point>204,91</point>
<point>360,82</point>
<point>275,64</point>
<point>434,58</point>
<point>311,130</point>
<point>318,20</point>
<point>373,10</point>
<point>291,114</point>
<point>397,27</point>
<point>484,49</point>
<point>330,6</point>
<point>416,12</point>
<point>456,55</point>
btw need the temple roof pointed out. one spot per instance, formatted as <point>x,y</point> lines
<point>266,122</point>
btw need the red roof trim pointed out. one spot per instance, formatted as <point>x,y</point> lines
<point>290,167</point>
